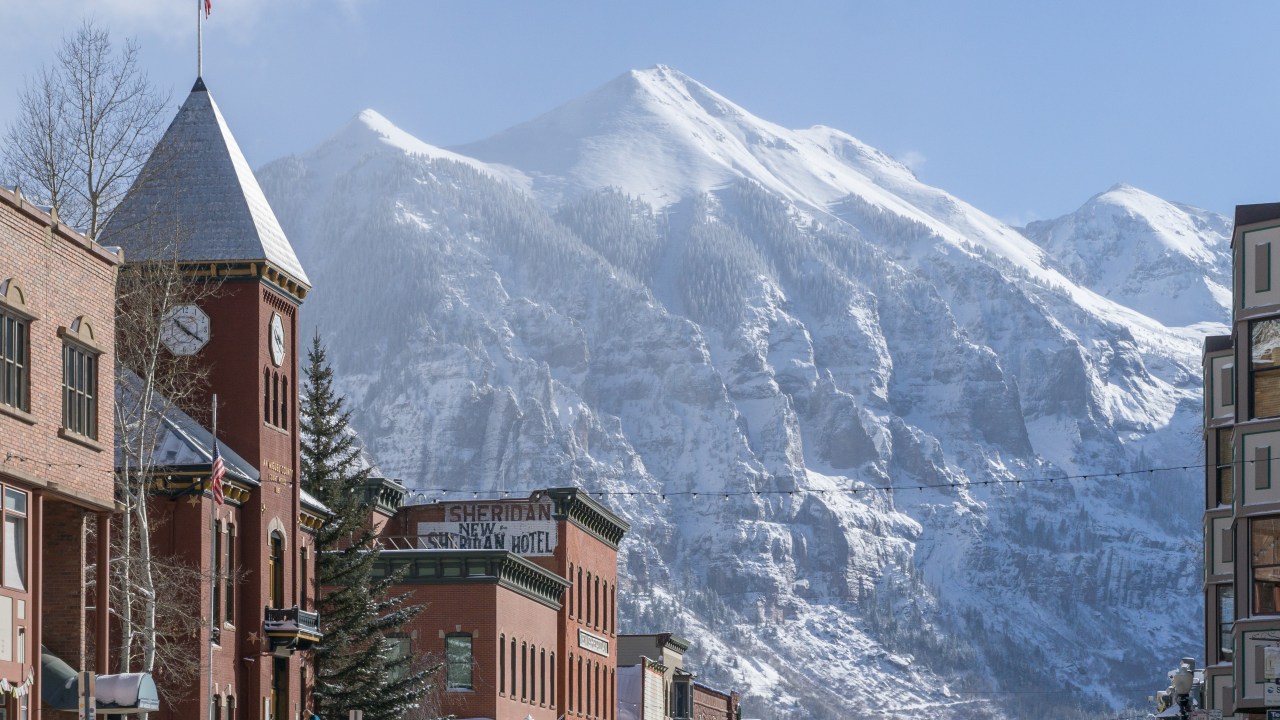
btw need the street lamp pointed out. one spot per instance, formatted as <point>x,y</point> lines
<point>1182,679</point>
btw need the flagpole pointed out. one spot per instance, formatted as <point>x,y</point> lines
<point>213,546</point>
<point>199,42</point>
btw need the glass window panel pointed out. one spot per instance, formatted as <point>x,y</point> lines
<point>15,552</point>
<point>1264,367</point>
<point>1226,616</point>
<point>457,652</point>
<point>1264,548</point>
<point>15,500</point>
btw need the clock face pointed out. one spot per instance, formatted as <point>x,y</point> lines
<point>184,329</point>
<point>277,340</point>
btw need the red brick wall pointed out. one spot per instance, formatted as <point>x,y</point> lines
<point>63,278</point>
<point>491,613</point>
<point>709,704</point>
<point>237,354</point>
<point>64,591</point>
<point>576,550</point>
<point>581,553</point>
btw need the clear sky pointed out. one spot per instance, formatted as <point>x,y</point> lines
<point>1025,109</point>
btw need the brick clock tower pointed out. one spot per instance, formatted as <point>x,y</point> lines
<point>260,547</point>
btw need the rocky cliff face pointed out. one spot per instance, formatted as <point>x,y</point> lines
<point>825,394</point>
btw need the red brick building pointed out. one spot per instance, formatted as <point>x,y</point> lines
<point>257,544</point>
<point>57,315</point>
<point>562,540</point>
<point>712,704</point>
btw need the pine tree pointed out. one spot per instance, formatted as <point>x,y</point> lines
<point>355,666</point>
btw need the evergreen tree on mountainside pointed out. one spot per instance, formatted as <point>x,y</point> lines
<point>353,672</point>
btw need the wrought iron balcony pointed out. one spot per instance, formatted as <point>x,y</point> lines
<point>290,629</point>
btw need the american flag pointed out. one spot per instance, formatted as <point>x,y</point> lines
<point>215,474</point>
<point>208,6</point>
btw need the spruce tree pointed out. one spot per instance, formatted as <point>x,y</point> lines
<point>355,667</point>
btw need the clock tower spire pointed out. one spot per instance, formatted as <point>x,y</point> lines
<point>197,203</point>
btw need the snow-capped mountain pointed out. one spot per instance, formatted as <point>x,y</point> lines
<point>756,344</point>
<point>1169,261</point>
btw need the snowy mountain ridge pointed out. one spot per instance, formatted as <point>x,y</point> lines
<point>651,290</point>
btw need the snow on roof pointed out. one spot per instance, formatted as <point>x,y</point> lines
<point>182,441</point>
<point>198,176</point>
<point>309,499</point>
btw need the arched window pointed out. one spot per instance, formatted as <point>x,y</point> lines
<point>613,609</point>
<point>275,569</point>
<point>458,661</point>
<point>524,672</point>
<point>266,395</point>
<point>590,609</point>
<point>284,403</point>
<point>542,677</point>
<point>595,600</point>
<point>533,674</point>
<point>570,686</point>
<point>275,399</point>
<point>502,664</point>
<point>580,706</point>
<point>569,600</point>
<point>553,679</point>
<point>512,658</point>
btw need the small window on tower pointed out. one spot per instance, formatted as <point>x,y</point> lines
<point>284,403</point>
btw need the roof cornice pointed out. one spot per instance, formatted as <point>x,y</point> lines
<point>579,508</point>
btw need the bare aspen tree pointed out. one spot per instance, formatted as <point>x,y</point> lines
<point>156,598</point>
<point>85,127</point>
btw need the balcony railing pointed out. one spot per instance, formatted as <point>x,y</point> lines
<point>290,629</point>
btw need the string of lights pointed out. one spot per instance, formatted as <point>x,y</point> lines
<point>443,492</point>
<point>15,457</point>
<point>426,493</point>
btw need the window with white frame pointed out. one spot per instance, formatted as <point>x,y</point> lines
<point>15,539</point>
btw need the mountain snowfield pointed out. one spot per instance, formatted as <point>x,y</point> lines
<point>756,344</point>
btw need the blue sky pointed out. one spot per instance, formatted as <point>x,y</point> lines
<point>1024,109</point>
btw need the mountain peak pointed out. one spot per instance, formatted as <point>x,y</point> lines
<point>1138,249</point>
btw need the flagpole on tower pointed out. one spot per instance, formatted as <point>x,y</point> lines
<point>199,40</point>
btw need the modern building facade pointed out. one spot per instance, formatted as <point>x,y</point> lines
<point>198,204</point>
<point>1242,476</point>
<point>57,300</point>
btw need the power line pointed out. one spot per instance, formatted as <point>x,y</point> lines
<point>726,494</point>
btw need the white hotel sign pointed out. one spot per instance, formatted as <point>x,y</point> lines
<point>524,528</point>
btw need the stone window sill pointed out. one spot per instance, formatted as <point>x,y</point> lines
<point>79,439</point>
<point>17,414</point>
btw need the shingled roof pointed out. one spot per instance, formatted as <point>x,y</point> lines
<point>198,180</point>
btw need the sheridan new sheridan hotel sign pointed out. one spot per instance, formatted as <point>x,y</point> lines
<point>524,528</point>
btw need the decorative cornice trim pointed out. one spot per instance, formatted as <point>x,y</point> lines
<point>579,508</point>
<point>498,567</point>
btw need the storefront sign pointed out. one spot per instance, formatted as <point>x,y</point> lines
<point>524,528</point>
<point>595,644</point>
